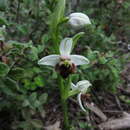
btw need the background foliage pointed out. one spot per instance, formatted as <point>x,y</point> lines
<point>26,37</point>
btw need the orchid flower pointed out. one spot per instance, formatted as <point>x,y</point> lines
<point>82,87</point>
<point>78,20</point>
<point>64,60</point>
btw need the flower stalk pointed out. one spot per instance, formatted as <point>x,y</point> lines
<point>64,90</point>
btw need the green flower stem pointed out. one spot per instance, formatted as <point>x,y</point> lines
<point>65,112</point>
<point>56,41</point>
<point>64,90</point>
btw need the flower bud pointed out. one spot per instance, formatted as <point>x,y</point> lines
<point>78,20</point>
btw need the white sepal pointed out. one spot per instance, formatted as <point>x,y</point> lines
<point>66,47</point>
<point>51,60</point>
<point>80,102</point>
<point>83,86</point>
<point>73,86</point>
<point>78,14</point>
<point>79,60</point>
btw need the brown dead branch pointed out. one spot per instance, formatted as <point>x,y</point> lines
<point>97,111</point>
<point>55,126</point>
<point>124,91</point>
<point>120,123</point>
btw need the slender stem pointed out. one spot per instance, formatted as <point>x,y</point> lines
<point>65,112</point>
<point>55,38</point>
<point>56,45</point>
<point>64,103</point>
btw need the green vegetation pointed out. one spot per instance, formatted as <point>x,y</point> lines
<point>32,29</point>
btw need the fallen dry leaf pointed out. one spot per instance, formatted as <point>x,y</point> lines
<point>55,126</point>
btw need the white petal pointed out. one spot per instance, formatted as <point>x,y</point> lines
<point>78,14</point>
<point>73,86</point>
<point>78,20</point>
<point>79,60</point>
<point>51,60</point>
<point>83,86</point>
<point>80,102</point>
<point>66,46</point>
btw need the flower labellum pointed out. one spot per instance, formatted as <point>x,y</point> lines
<point>65,69</point>
<point>64,63</point>
<point>78,20</point>
<point>82,87</point>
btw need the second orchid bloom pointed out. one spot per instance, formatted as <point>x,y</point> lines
<point>81,87</point>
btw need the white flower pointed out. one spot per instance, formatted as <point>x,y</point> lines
<point>82,87</point>
<point>128,46</point>
<point>78,20</point>
<point>65,50</point>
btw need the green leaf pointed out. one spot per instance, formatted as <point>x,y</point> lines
<point>32,53</point>
<point>4,69</point>
<point>11,83</point>
<point>3,5</point>
<point>102,60</point>
<point>43,98</point>
<point>72,93</point>
<point>24,124</point>
<point>37,104</point>
<point>83,125</point>
<point>64,20</point>
<point>28,3</point>
<point>33,97</point>
<point>25,103</point>
<point>6,88</point>
<point>17,73</point>
<point>125,99</point>
<point>54,74</point>
<point>36,70</point>
<point>3,21</point>
<point>17,44</point>
<point>32,86</point>
<point>40,48</point>
<point>36,123</point>
<point>58,14</point>
<point>26,113</point>
<point>126,5</point>
<point>77,37</point>
<point>22,29</point>
<point>39,81</point>
<point>45,38</point>
<point>114,72</point>
<point>5,104</point>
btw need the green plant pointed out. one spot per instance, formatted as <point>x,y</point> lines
<point>27,34</point>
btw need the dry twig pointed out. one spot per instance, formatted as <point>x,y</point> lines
<point>120,123</point>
